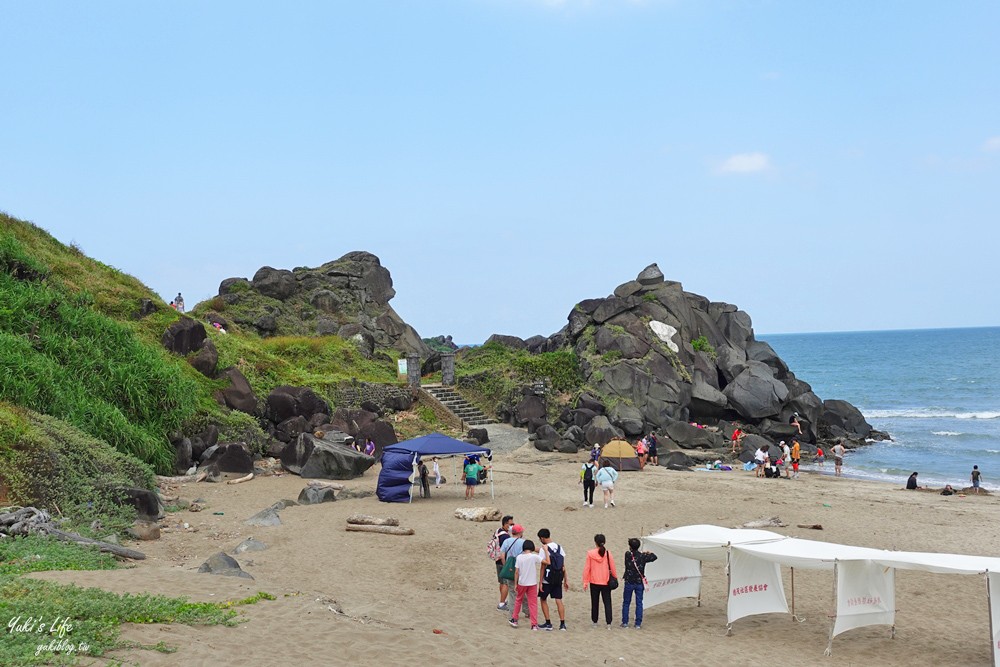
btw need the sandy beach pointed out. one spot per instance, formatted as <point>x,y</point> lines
<point>368,599</point>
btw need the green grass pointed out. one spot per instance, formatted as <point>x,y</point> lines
<point>81,616</point>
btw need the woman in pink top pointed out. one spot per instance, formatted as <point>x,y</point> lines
<point>597,572</point>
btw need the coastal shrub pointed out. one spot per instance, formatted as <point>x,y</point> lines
<point>650,297</point>
<point>65,359</point>
<point>701,344</point>
<point>495,373</point>
<point>48,463</point>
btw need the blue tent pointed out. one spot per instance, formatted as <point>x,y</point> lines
<point>399,462</point>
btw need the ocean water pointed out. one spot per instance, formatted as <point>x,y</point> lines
<point>935,391</point>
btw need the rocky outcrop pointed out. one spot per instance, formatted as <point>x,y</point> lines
<point>347,296</point>
<point>330,457</point>
<point>665,359</point>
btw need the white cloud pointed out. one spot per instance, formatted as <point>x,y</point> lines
<point>745,163</point>
<point>992,145</point>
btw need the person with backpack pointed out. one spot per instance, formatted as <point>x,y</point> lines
<point>600,575</point>
<point>493,551</point>
<point>635,580</point>
<point>554,579</point>
<point>510,550</point>
<point>588,476</point>
<point>606,477</point>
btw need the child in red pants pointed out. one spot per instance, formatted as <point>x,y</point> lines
<point>526,578</point>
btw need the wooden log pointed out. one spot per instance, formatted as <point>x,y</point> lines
<point>106,547</point>
<point>368,520</point>
<point>385,530</point>
<point>181,479</point>
<point>322,485</point>
<point>245,478</point>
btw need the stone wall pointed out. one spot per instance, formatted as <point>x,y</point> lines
<point>386,396</point>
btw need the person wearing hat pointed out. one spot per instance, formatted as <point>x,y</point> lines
<point>512,548</point>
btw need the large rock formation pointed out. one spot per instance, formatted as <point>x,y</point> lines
<point>663,357</point>
<point>348,297</point>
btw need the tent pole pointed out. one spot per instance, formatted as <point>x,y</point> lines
<point>989,602</point>
<point>729,585</point>
<point>833,623</point>
<point>794,615</point>
<point>700,566</point>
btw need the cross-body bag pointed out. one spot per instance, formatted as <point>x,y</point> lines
<point>612,579</point>
<point>507,571</point>
<point>645,582</point>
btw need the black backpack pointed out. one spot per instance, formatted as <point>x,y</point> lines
<point>588,473</point>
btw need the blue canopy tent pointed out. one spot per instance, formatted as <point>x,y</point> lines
<point>399,461</point>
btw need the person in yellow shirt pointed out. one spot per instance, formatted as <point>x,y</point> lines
<point>796,450</point>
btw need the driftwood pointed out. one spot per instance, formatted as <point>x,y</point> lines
<point>811,526</point>
<point>367,520</point>
<point>385,530</point>
<point>28,520</point>
<point>478,513</point>
<point>102,546</point>
<point>772,522</point>
<point>324,485</point>
<point>245,478</point>
<point>181,479</point>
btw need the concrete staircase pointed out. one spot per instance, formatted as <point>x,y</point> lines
<point>458,406</point>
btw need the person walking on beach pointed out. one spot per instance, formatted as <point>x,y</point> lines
<point>796,453</point>
<point>654,456</point>
<point>786,459</point>
<point>606,477</point>
<point>512,549</point>
<point>598,569</point>
<point>526,576</point>
<point>554,579</point>
<point>640,451</point>
<point>501,535</point>
<point>437,473</point>
<point>838,457</point>
<point>425,483</point>
<point>976,478</point>
<point>588,475</point>
<point>634,579</point>
<point>820,457</point>
<point>758,458</point>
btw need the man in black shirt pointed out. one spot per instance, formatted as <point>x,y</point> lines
<point>635,580</point>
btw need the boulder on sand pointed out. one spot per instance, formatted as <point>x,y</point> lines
<point>316,458</point>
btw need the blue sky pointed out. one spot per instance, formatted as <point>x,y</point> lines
<point>824,165</point>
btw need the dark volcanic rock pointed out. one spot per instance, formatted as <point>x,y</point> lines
<point>601,432</point>
<point>327,458</point>
<point>312,495</point>
<point>480,435</point>
<point>238,395</point>
<point>206,360</point>
<point>233,457</point>
<point>692,437</point>
<point>184,336</point>
<point>224,565</point>
<point>508,341</point>
<point>755,393</point>
<point>530,407</point>
<point>843,415</point>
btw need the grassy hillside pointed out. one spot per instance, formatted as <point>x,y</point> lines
<point>73,346</point>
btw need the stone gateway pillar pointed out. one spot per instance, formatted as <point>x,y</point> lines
<point>448,369</point>
<point>413,370</point>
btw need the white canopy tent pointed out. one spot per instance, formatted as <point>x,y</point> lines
<point>676,572</point>
<point>864,578</point>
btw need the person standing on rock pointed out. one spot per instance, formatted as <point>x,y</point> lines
<point>179,303</point>
<point>606,477</point>
<point>838,457</point>
<point>588,476</point>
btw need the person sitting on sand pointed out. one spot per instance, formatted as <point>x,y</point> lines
<point>947,490</point>
<point>911,483</point>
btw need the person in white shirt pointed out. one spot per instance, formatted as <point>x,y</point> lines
<point>526,577</point>
<point>758,457</point>
<point>437,473</point>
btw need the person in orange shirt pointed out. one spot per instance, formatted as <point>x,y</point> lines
<point>796,452</point>
<point>597,573</point>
